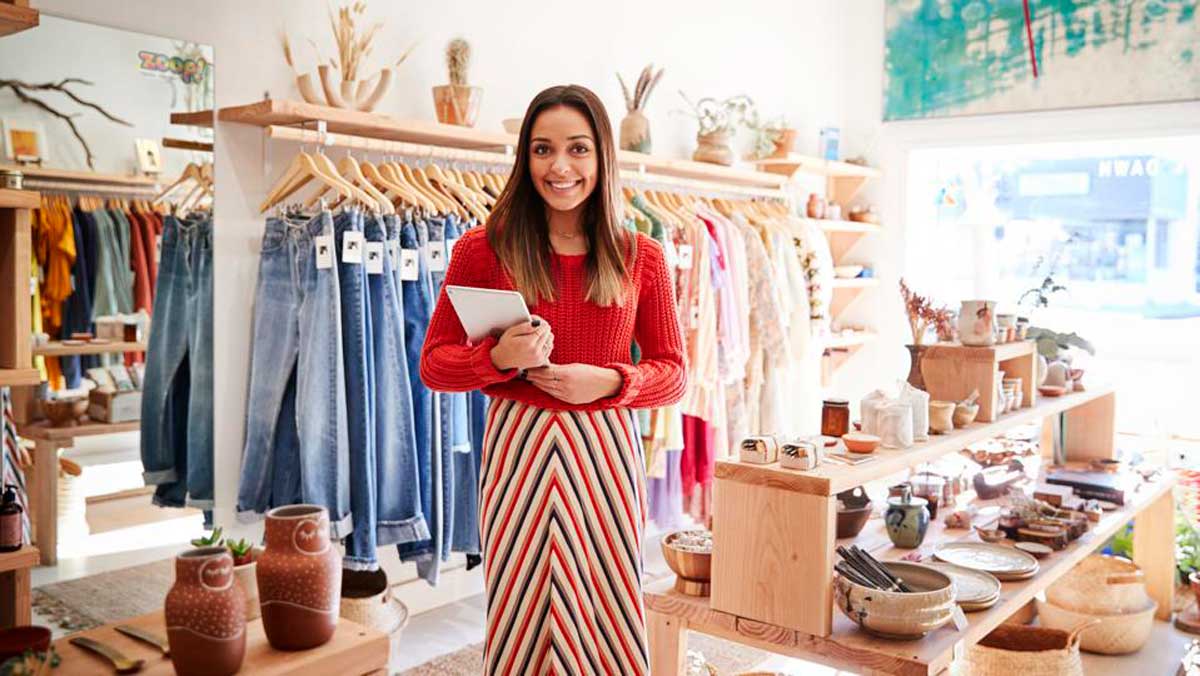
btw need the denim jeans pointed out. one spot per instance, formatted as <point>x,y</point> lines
<point>399,516</point>
<point>297,330</point>
<point>358,358</point>
<point>177,393</point>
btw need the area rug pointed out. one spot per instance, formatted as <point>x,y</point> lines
<point>94,600</point>
<point>725,657</point>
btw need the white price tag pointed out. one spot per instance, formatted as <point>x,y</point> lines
<point>324,246</point>
<point>670,254</point>
<point>374,254</point>
<point>695,320</point>
<point>436,253</point>
<point>157,249</point>
<point>450,249</point>
<point>410,261</point>
<point>685,257</point>
<point>352,247</point>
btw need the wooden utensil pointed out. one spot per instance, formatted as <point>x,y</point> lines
<point>146,637</point>
<point>120,662</point>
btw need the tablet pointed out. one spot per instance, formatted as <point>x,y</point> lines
<point>486,312</point>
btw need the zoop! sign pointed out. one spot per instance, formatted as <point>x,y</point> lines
<point>191,71</point>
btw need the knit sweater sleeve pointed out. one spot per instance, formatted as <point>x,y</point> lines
<point>660,377</point>
<point>449,361</point>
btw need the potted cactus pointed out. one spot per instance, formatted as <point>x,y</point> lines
<point>245,556</point>
<point>457,103</point>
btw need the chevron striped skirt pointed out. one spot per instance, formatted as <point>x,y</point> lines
<point>562,511</point>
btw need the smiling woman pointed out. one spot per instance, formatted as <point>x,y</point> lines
<point>562,495</point>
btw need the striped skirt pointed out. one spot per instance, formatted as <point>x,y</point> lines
<point>562,511</point>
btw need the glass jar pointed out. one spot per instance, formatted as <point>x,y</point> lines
<point>835,417</point>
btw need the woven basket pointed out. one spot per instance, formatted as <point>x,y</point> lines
<point>1028,651</point>
<point>1110,635</point>
<point>1101,585</point>
<point>383,612</point>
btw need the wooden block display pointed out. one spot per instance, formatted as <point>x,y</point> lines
<point>952,371</point>
<point>115,407</point>
<point>16,246</point>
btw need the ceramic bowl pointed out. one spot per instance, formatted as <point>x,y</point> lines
<point>894,614</point>
<point>14,641</point>
<point>685,564</point>
<point>964,414</point>
<point>990,534</point>
<point>847,271</point>
<point>65,412</point>
<point>1037,549</point>
<point>857,442</point>
<point>1052,390</point>
<point>853,512</point>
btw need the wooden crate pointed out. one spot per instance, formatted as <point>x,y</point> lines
<point>952,371</point>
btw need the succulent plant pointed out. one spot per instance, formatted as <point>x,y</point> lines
<point>458,60</point>
<point>213,539</point>
<point>242,550</point>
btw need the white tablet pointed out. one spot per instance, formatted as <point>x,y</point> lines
<point>486,312</point>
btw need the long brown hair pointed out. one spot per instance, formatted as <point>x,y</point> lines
<point>517,227</point>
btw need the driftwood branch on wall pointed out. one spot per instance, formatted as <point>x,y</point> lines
<point>22,91</point>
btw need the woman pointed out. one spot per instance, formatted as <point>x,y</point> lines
<point>562,501</point>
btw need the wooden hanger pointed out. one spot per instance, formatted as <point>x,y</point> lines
<point>349,169</point>
<point>302,170</point>
<point>418,177</point>
<point>391,171</point>
<point>391,190</point>
<point>434,201</point>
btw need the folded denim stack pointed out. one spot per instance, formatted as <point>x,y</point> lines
<point>337,415</point>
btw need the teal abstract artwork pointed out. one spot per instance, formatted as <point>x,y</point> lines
<point>970,57</point>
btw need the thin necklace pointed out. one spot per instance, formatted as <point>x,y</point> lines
<point>565,236</point>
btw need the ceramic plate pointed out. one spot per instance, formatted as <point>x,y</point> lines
<point>991,558</point>
<point>1038,549</point>
<point>973,587</point>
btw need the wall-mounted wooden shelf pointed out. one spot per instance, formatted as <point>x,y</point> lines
<point>186,144</point>
<point>850,226</point>
<point>16,18</point>
<point>199,118</point>
<point>57,349</point>
<point>855,283</point>
<point>19,199</point>
<point>276,113</point>
<point>81,176</point>
<point>44,431</point>
<point>795,163</point>
<point>848,340</point>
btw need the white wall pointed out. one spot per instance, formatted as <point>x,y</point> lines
<point>780,52</point>
<point>144,100</point>
<point>860,61</point>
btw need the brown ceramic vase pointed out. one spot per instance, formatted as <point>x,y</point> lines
<point>205,614</point>
<point>299,578</point>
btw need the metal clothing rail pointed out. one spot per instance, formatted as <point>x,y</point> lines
<point>94,188</point>
<point>420,151</point>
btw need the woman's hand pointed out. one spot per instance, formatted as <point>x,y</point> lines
<point>576,383</point>
<point>524,346</point>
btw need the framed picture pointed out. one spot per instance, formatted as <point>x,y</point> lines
<point>24,141</point>
<point>149,156</point>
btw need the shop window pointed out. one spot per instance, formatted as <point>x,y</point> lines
<point>1115,222</point>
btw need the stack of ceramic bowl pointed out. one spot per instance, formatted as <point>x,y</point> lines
<point>1110,593</point>
<point>973,589</point>
<point>899,615</point>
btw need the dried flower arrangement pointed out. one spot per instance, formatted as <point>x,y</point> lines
<point>922,314</point>
<point>715,116</point>
<point>646,83</point>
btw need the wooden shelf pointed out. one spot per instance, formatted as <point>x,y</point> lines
<point>856,339</point>
<point>830,479</point>
<point>16,377</point>
<point>24,557</point>
<point>19,199</point>
<point>57,349</point>
<point>186,144</point>
<point>849,648</point>
<point>271,113</point>
<point>81,176</point>
<point>14,19</point>
<point>855,283</point>
<point>850,226</point>
<point>44,432</point>
<point>354,649</point>
<point>806,164</point>
<point>199,118</point>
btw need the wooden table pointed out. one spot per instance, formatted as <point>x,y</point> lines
<point>15,603</point>
<point>42,478</point>
<point>353,650</point>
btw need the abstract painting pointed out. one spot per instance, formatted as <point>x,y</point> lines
<point>968,57</point>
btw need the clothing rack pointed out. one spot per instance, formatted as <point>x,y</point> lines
<point>96,188</point>
<point>419,151</point>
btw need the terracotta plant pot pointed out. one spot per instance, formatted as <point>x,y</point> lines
<point>205,611</point>
<point>785,142</point>
<point>916,353</point>
<point>457,105</point>
<point>247,577</point>
<point>635,132</point>
<point>715,148</point>
<point>299,578</point>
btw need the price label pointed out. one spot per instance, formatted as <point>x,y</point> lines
<point>353,244</point>
<point>410,261</point>
<point>374,253</point>
<point>695,318</point>
<point>157,249</point>
<point>324,248</point>
<point>670,254</point>
<point>436,252</point>
<point>685,257</point>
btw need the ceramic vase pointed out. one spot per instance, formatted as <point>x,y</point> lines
<point>907,520</point>
<point>816,206</point>
<point>977,323</point>
<point>916,353</point>
<point>941,417</point>
<point>299,578</point>
<point>205,612</point>
<point>715,148</point>
<point>247,577</point>
<point>784,142</point>
<point>635,132</point>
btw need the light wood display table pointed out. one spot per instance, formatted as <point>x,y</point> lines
<point>353,650</point>
<point>15,602</point>
<point>42,478</point>
<point>774,549</point>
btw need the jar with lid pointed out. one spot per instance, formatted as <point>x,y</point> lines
<point>835,417</point>
<point>12,535</point>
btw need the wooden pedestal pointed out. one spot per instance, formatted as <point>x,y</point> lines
<point>952,371</point>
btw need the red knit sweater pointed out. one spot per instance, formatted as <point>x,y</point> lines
<point>583,331</point>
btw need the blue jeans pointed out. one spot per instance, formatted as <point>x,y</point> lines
<point>297,336</point>
<point>398,500</point>
<point>177,394</point>
<point>358,358</point>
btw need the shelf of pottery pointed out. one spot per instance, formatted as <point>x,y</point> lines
<point>845,224</point>
<point>925,571</point>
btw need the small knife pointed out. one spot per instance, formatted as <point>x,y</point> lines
<point>120,662</point>
<point>146,637</point>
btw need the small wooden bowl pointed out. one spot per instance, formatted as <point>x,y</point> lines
<point>1052,390</point>
<point>1037,549</point>
<point>990,534</point>
<point>65,412</point>
<point>965,414</point>
<point>857,442</point>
